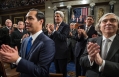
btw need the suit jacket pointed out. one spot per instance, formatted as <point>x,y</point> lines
<point>81,42</point>
<point>91,31</point>
<point>37,62</point>
<point>4,36</point>
<point>60,39</point>
<point>111,67</point>
<point>16,38</point>
<point>72,39</point>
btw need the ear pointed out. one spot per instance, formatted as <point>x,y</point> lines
<point>41,21</point>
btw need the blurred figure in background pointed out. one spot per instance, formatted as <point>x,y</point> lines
<point>73,19</point>
<point>84,33</point>
<point>18,35</point>
<point>71,40</point>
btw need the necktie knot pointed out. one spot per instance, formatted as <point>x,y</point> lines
<point>107,40</point>
<point>87,28</point>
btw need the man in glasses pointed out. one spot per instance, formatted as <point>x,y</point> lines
<point>101,57</point>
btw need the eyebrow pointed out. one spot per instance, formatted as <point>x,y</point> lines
<point>28,16</point>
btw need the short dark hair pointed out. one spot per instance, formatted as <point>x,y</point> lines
<point>90,16</point>
<point>40,15</point>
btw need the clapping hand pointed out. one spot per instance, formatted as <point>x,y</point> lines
<point>8,54</point>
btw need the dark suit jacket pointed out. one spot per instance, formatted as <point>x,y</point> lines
<point>72,39</point>
<point>60,39</point>
<point>91,31</point>
<point>4,36</point>
<point>16,38</point>
<point>111,67</point>
<point>37,62</point>
<point>81,42</point>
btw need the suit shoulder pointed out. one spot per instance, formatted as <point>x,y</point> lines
<point>45,37</point>
<point>93,39</point>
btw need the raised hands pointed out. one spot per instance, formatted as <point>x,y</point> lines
<point>8,54</point>
<point>25,35</point>
<point>50,28</point>
<point>82,31</point>
<point>93,51</point>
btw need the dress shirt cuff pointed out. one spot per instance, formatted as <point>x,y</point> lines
<point>53,32</point>
<point>21,41</point>
<point>18,60</point>
<point>102,66</point>
<point>91,63</point>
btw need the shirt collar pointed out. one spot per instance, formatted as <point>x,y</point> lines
<point>88,26</point>
<point>8,27</point>
<point>111,38</point>
<point>59,23</point>
<point>20,30</point>
<point>34,36</point>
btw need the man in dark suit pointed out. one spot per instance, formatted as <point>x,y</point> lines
<point>5,33</point>
<point>59,34</point>
<point>81,38</point>
<point>101,57</point>
<point>71,42</point>
<point>18,35</point>
<point>35,62</point>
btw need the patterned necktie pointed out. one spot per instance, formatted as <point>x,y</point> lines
<point>29,45</point>
<point>87,28</point>
<point>105,48</point>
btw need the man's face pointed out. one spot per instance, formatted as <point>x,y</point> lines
<point>33,25</point>
<point>58,18</point>
<point>20,25</point>
<point>8,23</point>
<point>109,25</point>
<point>89,21</point>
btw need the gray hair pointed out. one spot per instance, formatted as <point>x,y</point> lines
<point>61,13</point>
<point>97,27</point>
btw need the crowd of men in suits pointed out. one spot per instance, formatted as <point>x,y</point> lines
<point>77,39</point>
<point>86,44</point>
<point>12,35</point>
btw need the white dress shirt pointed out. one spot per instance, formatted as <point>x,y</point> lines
<point>109,44</point>
<point>34,36</point>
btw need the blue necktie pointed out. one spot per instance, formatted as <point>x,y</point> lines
<point>29,45</point>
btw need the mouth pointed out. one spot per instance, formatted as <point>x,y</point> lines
<point>28,26</point>
<point>109,27</point>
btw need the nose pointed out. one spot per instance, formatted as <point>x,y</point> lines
<point>26,20</point>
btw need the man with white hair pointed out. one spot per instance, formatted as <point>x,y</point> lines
<point>101,57</point>
<point>59,33</point>
<point>5,33</point>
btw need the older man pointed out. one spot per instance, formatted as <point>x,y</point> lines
<point>5,33</point>
<point>59,33</point>
<point>101,57</point>
<point>18,35</point>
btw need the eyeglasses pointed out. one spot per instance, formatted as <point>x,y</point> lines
<point>112,20</point>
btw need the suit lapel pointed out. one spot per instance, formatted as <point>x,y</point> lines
<point>24,47</point>
<point>60,27</point>
<point>99,42</point>
<point>114,48</point>
<point>36,42</point>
